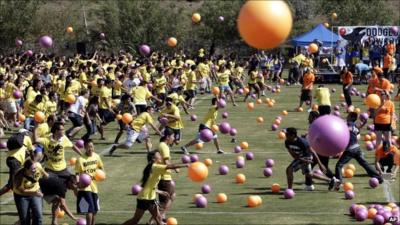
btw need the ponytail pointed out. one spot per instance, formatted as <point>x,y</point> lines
<point>148,168</point>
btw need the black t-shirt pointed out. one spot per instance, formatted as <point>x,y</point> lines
<point>299,147</point>
<point>53,186</point>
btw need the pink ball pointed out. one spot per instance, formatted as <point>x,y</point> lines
<point>233,132</point>
<point>237,149</point>
<point>144,50</point>
<point>29,53</point>
<point>185,159</point>
<point>240,163</point>
<point>80,143</point>
<point>373,182</point>
<point>269,163</point>
<point>194,158</point>
<point>193,117</point>
<point>336,107</point>
<point>205,189</point>
<point>224,115</point>
<point>201,202</point>
<point>289,193</point>
<point>206,135</point>
<point>163,121</point>
<point>81,221</point>
<point>349,194</point>
<point>45,42</point>
<point>225,127</point>
<point>18,43</point>
<point>249,156</point>
<point>221,103</point>
<point>3,145</point>
<point>223,170</point>
<point>85,180</point>
<point>136,188</point>
<point>267,172</point>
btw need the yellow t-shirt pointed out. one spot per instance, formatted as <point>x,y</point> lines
<point>20,153</point>
<point>33,107</point>
<point>211,117</point>
<point>83,79</point>
<point>31,94</point>
<point>28,185</point>
<point>165,154</point>
<point>43,130</point>
<point>149,190</point>
<point>143,119</point>
<point>253,77</point>
<point>223,78</point>
<point>140,95</point>
<point>55,152</point>
<point>238,72</point>
<point>203,69</point>
<point>51,107</point>
<point>191,79</point>
<point>177,98</point>
<point>75,87</point>
<point>89,164</point>
<point>146,77</point>
<point>105,96</point>
<point>323,96</point>
<point>160,83</point>
<point>173,123</point>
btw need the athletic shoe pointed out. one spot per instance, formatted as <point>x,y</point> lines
<point>337,185</point>
<point>332,183</point>
<point>220,151</point>
<point>112,150</point>
<point>233,140</point>
<point>309,188</point>
<point>184,150</point>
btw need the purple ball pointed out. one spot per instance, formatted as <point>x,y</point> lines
<point>328,135</point>
<point>185,159</point>
<point>386,215</point>
<point>136,188</point>
<point>370,146</point>
<point>102,36</point>
<point>224,127</point>
<point>354,89</point>
<point>206,135</point>
<point>18,43</point>
<point>3,145</point>
<point>233,132</point>
<point>378,207</point>
<point>144,50</point>
<point>379,220</point>
<point>274,127</point>
<point>371,127</point>
<point>221,103</point>
<point>84,180</point>
<point>164,121</point>
<point>333,90</point>
<point>223,170</point>
<point>201,202</point>
<point>29,53</point>
<point>363,95</point>
<point>224,115</point>
<point>267,172</point>
<point>361,215</point>
<point>394,30</point>
<point>373,182</point>
<point>352,209</point>
<point>240,91</point>
<point>240,163</point>
<point>349,194</point>
<point>17,124</point>
<point>269,163</point>
<point>45,42</point>
<point>343,104</point>
<point>17,94</point>
<point>273,90</point>
<point>81,221</point>
<point>237,149</point>
<point>205,189</point>
<point>80,143</point>
<point>337,107</point>
<point>193,117</point>
<point>194,158</point>
<point>364,116</point>
<point>352,93</point>
<point>150,87</point>
<point>249,156</point>
<point>289,193</point>
<point>278,118</point>
<point>336,113</point>
<point>221,19</point>
<point>358,93</point>
<point>254,96</point>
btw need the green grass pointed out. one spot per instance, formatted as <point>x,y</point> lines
<point>318,207</point>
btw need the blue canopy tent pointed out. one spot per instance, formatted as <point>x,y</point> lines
<point>320,33</point>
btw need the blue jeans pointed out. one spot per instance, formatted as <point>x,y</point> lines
<point>28,123</point>
<point>90,129</point>
<point>29,207</point>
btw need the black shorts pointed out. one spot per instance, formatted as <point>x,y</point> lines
<point>202,127</point>
<point>87,202</point>
<point>165,185</point>
<point>190,94</point>
<point>306,95</point>
<point>14,165</point>
<point>177,133</point>
<point>76,119</point>
<point>254,86</point>
<point>62,174</point>
<point>382,127</point>
<point>324,110</point>
<point>297,164</point>
<point>140,108</point>
<point>106,115</point>
<point>146,204</point>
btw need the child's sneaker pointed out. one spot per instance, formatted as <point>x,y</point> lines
<point>184,150</point>
<point>309,188</point>
<point>332,183</point>
<point>220,151</point>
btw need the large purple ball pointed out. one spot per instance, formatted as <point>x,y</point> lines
<point>201,202</point>
<point>223,170</point>
<point>349,194</point>
<point>328,135</point>
<point>224,115</point>
<point>386,215</point>
<point>267,172</point>
<point>240,163</point>
<point>144,50</point>
<point>249,156</point>
<point>373,182</point>
<point>205,189</point>
<point>224,127</point>
<point>361,215</point>
<point>85,180</point>
<point>185,159</point>
<point>221,103</point>
<point>379,220</point>
<point>233,132</point>
<point>206,135</point>
<point>237,149</point>
<point>269,163</point>
<point>194,158</point>
<point>289,193</point>
<point>136,188</point>
<point>45,42</point>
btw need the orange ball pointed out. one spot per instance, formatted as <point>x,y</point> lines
<point>118,83</point>
<point>208,162</point>
<point>198,171</point>
<point>70,99</point>
<point>373,135</point>
<point>221,198</point>
<point>351,166</point>
<point>260,119</point>
<point>326,25</point>
<point>259,101</point>
<point>172,42</point>
<point>21,117</point>
<point>312,48</point>
<point>240,178</point>
<point>70,30</point>
<point>100,175</point>
<point>357,110</point>
<point>196,17</point>
<point>93,83</point>
<point>347,186</point>
<point>215,128</point>
<point>270,104</point>
<point>60,213</point>
<point>199,146</point>
<point>264,24</point>
<point>244,145</point>
<point>127,118</point>
<point>250,106</point>
<point>252,201</point>
<point>119,117</point>
<point>367,137</point>
<point>281,135</point>
<point>348,173</point>
<point>373,101</point>
<point>334,15</point>
<point>372,213</point>
<point>300,109</point>
<point>278,90</point>
<point>341,96</point>
<point>273,101</point>
<point>281,81</point>
<point>39,117</point>
<point>172,221</point>
<point>246,90</point>
<point>284,113</point>
<point>277,121</point>
<point>215,90</point>
<point>315,107</point>
<point>72,161</point>
<point>275,188</point>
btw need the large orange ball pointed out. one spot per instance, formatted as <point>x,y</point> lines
<point>275,188</point>
<point>127,118</point>
<point>373,101</point>
<point>172,42</point>
<point>70,30</point>
<point>70,99</point>
<point>264,24</point>
<point>100,175</point>
<point>312,48</point>
<point>39,117</point>
<point>198,171</point>
<point>196,17</point>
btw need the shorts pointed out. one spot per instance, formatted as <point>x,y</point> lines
<point>122,125</point>
<point>88,202</point>
<point>165,185</point>
<point>133,136</point>
<point>324,110</point>
<point>306,95</point>
<point>382,127</point>
<point>144,204</point>
<point>254,86</point>
<point>62,174</point>
<point>177,133</point>
<point>76,119</point>
<point>297,164</point>
<point>106,115</point>
<point>190,94</point>
<point>50,198</point>
<point>140,108</point>
<point>10,107</point>
<point>225,88</point>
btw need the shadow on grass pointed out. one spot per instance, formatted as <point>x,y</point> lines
<point>8,214</point>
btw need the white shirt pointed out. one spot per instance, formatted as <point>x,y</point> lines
<point>79,105</point>
<point>129,84</point>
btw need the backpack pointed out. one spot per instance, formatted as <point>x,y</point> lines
<point>16,141</point>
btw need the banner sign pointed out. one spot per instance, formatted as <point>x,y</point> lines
<point>369,33</point>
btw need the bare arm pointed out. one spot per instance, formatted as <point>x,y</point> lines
<point>64,207</point>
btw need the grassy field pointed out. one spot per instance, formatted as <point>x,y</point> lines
<point>317,207</point>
